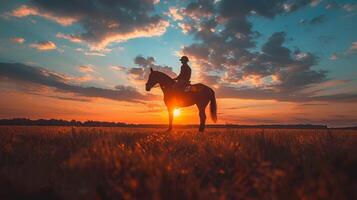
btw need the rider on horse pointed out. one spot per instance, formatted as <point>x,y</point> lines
<point>200,95</point>
<point>183,79</point>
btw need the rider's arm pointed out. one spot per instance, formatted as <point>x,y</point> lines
<point>179,76</point>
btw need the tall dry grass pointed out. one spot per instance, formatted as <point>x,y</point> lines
<point>128,163</point>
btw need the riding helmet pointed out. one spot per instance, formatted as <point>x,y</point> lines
<point>184,58</point>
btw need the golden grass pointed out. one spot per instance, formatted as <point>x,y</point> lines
<point>134,163</point>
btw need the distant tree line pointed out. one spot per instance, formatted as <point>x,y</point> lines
<point>91,123</point>
<point>59,122</point>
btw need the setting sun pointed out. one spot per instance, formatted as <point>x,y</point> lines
<point>177,112</point>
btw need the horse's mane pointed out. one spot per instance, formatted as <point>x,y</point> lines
<point>165,77</point>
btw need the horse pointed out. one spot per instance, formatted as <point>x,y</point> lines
<point>199,94</point>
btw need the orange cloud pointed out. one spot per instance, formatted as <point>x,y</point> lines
<point>185,27</point>
<point>151,30</point>
<point>118,68</point>
<point>72,38</point>
<point>44,46</point>
<point>103,24</point>
<point>173,12</point>
<point>86,69</point>
<point>24,11</point>
<point>40,77</point>
<point>18,40</point>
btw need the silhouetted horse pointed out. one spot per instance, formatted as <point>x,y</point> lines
<point>199,94</point>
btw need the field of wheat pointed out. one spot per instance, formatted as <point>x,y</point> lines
<point>137,163</point>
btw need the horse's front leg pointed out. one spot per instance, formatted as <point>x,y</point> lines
<point>171,117</point>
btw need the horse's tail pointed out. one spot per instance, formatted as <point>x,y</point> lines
<point>213,107</point>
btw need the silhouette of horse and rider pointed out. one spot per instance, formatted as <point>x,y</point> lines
<point>178,92</point>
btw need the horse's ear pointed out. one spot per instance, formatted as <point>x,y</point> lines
<point>151,70</point>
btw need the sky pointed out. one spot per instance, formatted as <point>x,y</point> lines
<point>269,62</point>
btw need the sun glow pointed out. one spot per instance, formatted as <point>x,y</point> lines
<point>177,112</point>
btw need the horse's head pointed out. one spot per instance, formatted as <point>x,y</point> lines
<point>152,81</point>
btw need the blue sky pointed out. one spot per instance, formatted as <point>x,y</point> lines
<point>319,36</point>
<point>339,29</point>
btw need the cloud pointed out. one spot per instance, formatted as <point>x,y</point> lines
<point>72,38</point>
<point>24,11</point>
<point>86,69</point>
<point>141,73</point>
<point>44,46</point>
<point>346,54</point>
<point>103,22</point>
<point>223,48</point>
<point>199,9</point>
<point>317,20</point>
<point>354,46</point>
<point>275,51</point>
<point>118,68</point>
<point>186,28</point>
<point>333,56</point>
<point>42,77</point>
<point>314,3</point>
<point>269,94</point>
<point>174,14</point>
<point>93,53</point>
<point>18,40</point>
<point>350,7</point>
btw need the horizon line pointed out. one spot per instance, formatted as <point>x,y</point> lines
<point>86,123</point>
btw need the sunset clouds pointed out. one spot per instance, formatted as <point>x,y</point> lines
<point>18,40</point>
<point>275,71</point>
<point>24,11</point>
<point>104,22</point>
<point>175,13</point>
<point>86,69</point>
<point>44,45</point>
<point>40,76</point>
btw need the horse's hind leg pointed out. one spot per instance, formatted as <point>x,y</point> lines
<point>202,114</point>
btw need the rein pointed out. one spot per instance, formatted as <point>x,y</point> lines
<point>165,81</point>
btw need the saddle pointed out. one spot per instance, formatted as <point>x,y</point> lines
<point>189,88</point>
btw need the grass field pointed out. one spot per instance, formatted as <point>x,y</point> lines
<point>129,163</point>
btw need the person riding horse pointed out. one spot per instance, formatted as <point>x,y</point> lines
<point>199,94</point>
<point>183,79</point>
